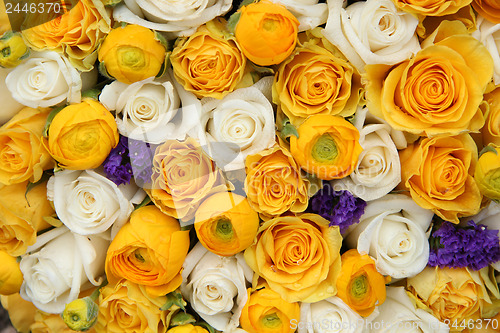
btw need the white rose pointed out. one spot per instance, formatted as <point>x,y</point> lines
<point>178,18</point>
<point>89,203</point>
<point>9,105</point>
<point>216,287</point>
<point>62,267</point>
<point>490,217</point>
<point>240,124</point>
<point>331,315</point>
<point>488,33</point>
<point>378,170</point>
<point>309,13</point>
<point>47,79</point>
<point>372,32</point>
<point>398,315</point>
<point>393,231</point>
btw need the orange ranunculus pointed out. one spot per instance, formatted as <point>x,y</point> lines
<point>207,63</point>
<point>491,128</point>
<point>273,183</point>
<point>81,135</point>
<point>265,311</point>
<point>132,53</point>
<point>226,224</point>
<point>149,251</point>
<point>439,172</point>
<point>431,8</point>
<point>315,81</point>
<point>298,257</point>
<point>438,91</point>
<point>183,176</point>
<point>359,284</point>
<point>327,147</point>
<point>23,155</point>
<point>489,9</point>
<point>76,34</point>
<point>266,32</point>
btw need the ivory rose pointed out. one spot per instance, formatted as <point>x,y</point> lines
<point>371,32</point>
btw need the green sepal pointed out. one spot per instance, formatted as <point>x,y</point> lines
<point>174,299</point>
<point>111,3</point>
<point>164,66</point>
<point>91,93</point>
<point>103,71</point>
<point>287,130</point>
<point>53,221</point>
<point>143,203</point>
<point>120,25</point>
<point>186,227</point>
<point>486,149</point>
<point>45,176</point>
<point>51,117</point>
<point>182,318</point>
<point>246,3</point>
<point>263,70</point>
<point>159,37</point>
<point>233,21</point>
<point>205,326</point>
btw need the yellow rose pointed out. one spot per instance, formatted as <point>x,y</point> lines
<point>132,53</point>
<point>82,135</point>
<point>273,183</point>
<point>439,172</point>
<point>51,323</point>
<point>187,329</point>
<point>149,251</point>
<point>226,224</point>
<point>431,8</point>
<point>127,308</point>
<point>21,312</point>
<point>23,155</point>
<point>4,20</point>
<point>438,91</point>
<point>207,63</point>
<point>76,34</point>
<point>12,49</point>
<point>454,294</point>
<point>265,311</point>
<point>21,216</point>
<point>298,256</point>
<point>327,147</point>
<point>183,176</point>
<point>266,32</point>
<point>11,277</point>
<point>491,129</point>
<point>487,173</point>
<point>315,81</point>
<point>489,9</point>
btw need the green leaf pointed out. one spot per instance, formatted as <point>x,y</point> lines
<point>51,116</point>
<point>174,298</point>
<point>182,318</point>
<point>205,326</point>
<point>263,70</point>
<point>488,149</point>
<point>246,3</point>
<point>45,176</point>
<point>103,71</point>
<point>233,21</point>
<point>91,93</point>
<point>144,202</point>
<point>287,130</point>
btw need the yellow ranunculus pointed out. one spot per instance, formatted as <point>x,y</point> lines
<point>491,129</point>
<point>265,311</point>
<point>298,256</point>
<point>315,81</point>
<point>11,277</point>
<point>327,147</point>
<point>489,9</point>
<point>23,155</point>
<point>21,216</point>
<point>439,172</point>
<point>431,8</point>
<point>187,329</point>
<point>438,91</point>
<point>207,63</point>
<point>132,53</point>
<point>487,173</point>
<point>359,284</point>
<point>21,312</point>
<point>183,176</point>
<point>266,32</point>
<point>82,135</point>
<point>76,34</point>
<point>12,49</point>
<point>149,250</point>
<point>273,183</point>
<point>226,224</point>
<point>127,308</point>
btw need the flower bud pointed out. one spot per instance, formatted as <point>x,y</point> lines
<point>81,314</point>
<point>11,277</point>
<point>487,173</point>
<point>12,49</point>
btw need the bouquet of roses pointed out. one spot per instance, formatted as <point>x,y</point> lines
<point>250,166</point>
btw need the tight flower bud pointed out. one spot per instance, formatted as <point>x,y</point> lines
<point>12,50</point>
<point>81,314</point>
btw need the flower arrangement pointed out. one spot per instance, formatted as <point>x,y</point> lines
<point>250,166</point>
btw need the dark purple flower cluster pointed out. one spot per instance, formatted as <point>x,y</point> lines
<point>341,208</point>
<point>471,246</point>
<point>117,164</point>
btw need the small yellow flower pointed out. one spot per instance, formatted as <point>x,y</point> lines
<point>487,173</point>
<point>81,314</point>
<point>12,49</point>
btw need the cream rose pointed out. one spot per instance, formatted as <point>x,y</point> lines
<point>371,32</point>
<point>393,231</point>
<point>150,111</point>
<point>488,33</point>
<point>59,266</point>
<point>89,203</point>
<point>47,79</point>
<point>216,287</point>
<point>399,315</point>
<point>9,105</point>
<point>240,124</point>
<point>309,13</point>
<point>331,315</point>
<point>177,18</point>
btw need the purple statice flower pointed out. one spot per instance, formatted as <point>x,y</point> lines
<point>471,246</point>
<point>117,164</point>
<point>341,208</point>
<point>141,159</point>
